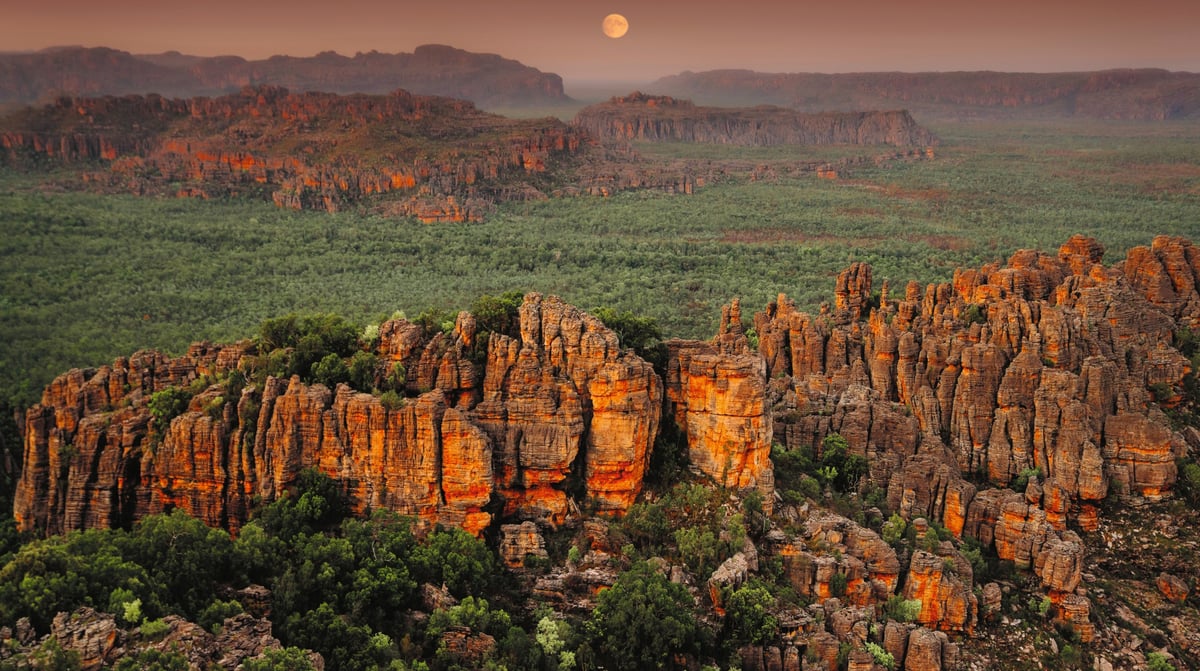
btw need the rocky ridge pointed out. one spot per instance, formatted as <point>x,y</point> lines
<point>439,159</point>
<point>501,430</point>
<point>1110,94</point>
<point>664,119</point>
<point>1012,406</point>
<point>431,69</point>
<point>100,641</point>
<point>401,154</point>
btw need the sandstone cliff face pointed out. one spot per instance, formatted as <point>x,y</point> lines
<point>556,403</point>
<point>717,395</point>
<point>665,119</point>
<point>955,390</point>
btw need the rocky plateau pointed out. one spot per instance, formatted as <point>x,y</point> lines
<point>1055,371</point>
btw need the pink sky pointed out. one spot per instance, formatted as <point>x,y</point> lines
<point>665,36</point>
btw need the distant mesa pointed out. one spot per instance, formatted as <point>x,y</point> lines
<point>486,79</point>
<point>656,118</point>
<point>434,158</point>
<point>1148,95</point>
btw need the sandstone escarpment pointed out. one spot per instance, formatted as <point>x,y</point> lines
<point>664,119</point>
<point>1038,370</point>
<point>441,159</point>
<point>431,69</point>
<point>553,411</point>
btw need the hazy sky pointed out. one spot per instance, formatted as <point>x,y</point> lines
<point>665,36</point>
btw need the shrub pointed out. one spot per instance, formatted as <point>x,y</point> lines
<point>893,529</point>
<point>165,406</point>
<point>391,400</point>
<point>1022,479</point>
<point>975,314</point>
<point>153,629</point>
<point>837,584</point>
<point>1156,661</point>
<point>882,657</point>
<point>151,659</point>
<point>1188,484</point>
<point>215,614</point>
<point>902,610</point>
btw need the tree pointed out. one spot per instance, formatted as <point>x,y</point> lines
<point>151,659</point>
<point>343,645</point>
<point>280,659</point>
<point>330,371</point>
<point>456,559</point>
<point>643,621</point>
<point>182,555</point>
<point>636,332</point>
<point>748,615</point>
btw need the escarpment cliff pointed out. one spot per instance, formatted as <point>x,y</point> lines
<point>1015,418</point>
<point>438,159</point>
<point>1046,374</point>
<point>494,426</point>
<point>664,119</point>
<point>431,69</point>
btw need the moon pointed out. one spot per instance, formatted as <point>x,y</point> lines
<point>615,25</point>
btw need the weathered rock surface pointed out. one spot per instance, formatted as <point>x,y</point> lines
<point>101,643</point>
<point>558,399</point>
<point>716,391</point>
<point>518,541</point>
<point>638,116</point>
<point>1044,363</point>
<point>946,599</point>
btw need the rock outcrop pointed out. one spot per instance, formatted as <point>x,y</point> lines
<point>717,396</point>
<point>100,643</point>
<point>1047,371</point>
<point>440,159</point>
<point>555,403</point>
<point>664,119</point>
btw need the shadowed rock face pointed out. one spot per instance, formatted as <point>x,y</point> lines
<point>665,119</point>
<point>502,436</point>
<point>431,69</point>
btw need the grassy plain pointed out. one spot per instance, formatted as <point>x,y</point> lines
<point>86,278</point>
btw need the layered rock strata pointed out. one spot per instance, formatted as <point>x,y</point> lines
<point>665,119</point>
<point>1047,369</point>
<point>440,158</point>
<point>716,392</point>
<point>557,403</point>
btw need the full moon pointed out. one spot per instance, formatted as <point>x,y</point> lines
<point>615,25</point>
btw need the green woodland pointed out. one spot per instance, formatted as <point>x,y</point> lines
<point>87,278</point>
